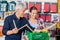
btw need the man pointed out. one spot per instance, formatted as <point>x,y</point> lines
<point>9,30</point>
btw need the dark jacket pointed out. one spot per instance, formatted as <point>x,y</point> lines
<point>8,25</point>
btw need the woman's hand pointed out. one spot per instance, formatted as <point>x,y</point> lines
<point>43,30</point>
<point>25,37</point>
<point>36,30</point>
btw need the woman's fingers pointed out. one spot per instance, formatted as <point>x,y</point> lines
<point>26,37</point>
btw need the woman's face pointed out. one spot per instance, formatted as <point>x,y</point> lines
<point>33,13</point>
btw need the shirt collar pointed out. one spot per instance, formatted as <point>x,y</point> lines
<point>16,17</point>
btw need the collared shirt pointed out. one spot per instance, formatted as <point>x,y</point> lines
<point>8,25</point>
<point>37,25</point>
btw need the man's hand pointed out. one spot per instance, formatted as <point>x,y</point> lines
<point>15,31</point>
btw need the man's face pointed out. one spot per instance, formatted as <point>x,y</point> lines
<point>21,12</point>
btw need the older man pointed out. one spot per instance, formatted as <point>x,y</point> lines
<point>9,30</point>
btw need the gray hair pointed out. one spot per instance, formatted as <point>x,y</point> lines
<point>20,5</point>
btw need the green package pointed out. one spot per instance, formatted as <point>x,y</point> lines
<point>29,34</point>
<point>38,35</point>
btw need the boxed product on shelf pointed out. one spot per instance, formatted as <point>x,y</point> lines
<point>48,17</point>
<point>30,4</point>
<point>42,16</point>
<point>46,7</point>
<point>53,7</point>
<point>11,6</point>
<point>4,6</point>
<point>38,5</point>
<point>54,17</point>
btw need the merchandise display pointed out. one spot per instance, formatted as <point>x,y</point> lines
<point>11,6</point>
<point>4,6</point>
<point>54,17</point>
<point>42,16</point>
<point>48,18</point>
<point>30,5</point>
<point>53,8</point>
<point>46,7</point>
<point>38,6</point>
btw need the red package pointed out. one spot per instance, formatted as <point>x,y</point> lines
<point>42,17</point>
<point>31,4</point>
<point>25,15</point>
<point>48,18</point>
<point>53,8</point>
<point>46,7</point>
<point>38,6</point>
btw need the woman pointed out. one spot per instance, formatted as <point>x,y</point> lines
<point>35,22</point>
